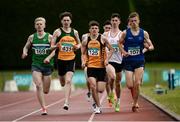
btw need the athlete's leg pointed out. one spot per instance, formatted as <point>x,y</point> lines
<point>37,79</point>
<point>118,90</point>
<point>129,81</point>
<point>101,85</point>
<point>118,84</point>
<point>137,82</point>
<point>111,79</point>
<point>46,83</point>
<point>92,82</point>
<point>68,80</point>
<point>111,75</point>
<point>87,84</point>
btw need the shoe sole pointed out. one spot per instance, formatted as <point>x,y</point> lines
<point>44,114</point>
<point>135,109</point>
<point>65,108</point>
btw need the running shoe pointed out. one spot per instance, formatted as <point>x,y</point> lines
<point>111,96</point>
<point>135,108</point>
<point>66,106</point>
<point>97,110</point>
<point>44,111</point>
<point>117,106</point>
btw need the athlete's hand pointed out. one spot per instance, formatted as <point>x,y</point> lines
<point>24,55</point>
<point>83,65</point>
<point>75,47</point>
<point>46,60</point>
<point>106,63</point>
<point>125,54</point>
<point>144,50</point>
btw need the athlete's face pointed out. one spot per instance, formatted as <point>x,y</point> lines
<point>39,26</point>
<point>107,28</point>
<point>94,30</point>
<point>66,21</point>
<point>115,21</point>
<point>134,22</point>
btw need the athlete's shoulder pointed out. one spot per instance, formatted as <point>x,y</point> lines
<point>75,31</point>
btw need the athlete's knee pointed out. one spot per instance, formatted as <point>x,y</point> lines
<point>39,87</point>
<point>137,83</point>
<point>130,86</point>
<point>68,81</point>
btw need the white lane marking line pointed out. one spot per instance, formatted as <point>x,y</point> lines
<point>11,104</point>
<point>22,117</point>
<point>101,100</point>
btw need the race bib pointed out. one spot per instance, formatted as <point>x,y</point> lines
<point>134,51</point>
<point>116,47</point>
<point>41,51</point>
<point>66,47</point>
<point>93,52</point>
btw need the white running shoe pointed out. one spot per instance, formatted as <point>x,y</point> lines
<point>97,110</point>
<point>66,106</point>
<point>44,111</point>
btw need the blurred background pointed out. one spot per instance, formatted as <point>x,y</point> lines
<point>158,17</point>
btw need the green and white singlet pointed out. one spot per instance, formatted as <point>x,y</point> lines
<point>40,50</point>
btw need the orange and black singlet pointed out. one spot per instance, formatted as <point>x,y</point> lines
<point>66,41</point>
<point>95,53</point>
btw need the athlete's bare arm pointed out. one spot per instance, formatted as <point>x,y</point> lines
<point>83,50</point>
<point>55,35</point>
<point>77,39</point>
<point>27,46</point>
<point>108,45</point>
<point>121,41</point>
<point>52,54</point>
<point>148,41</point>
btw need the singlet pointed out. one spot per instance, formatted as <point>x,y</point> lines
<point>95,53</point>
<point>134,45</point>
<point>40,50</point>
<point>67,41</point>
<point>114,41</point>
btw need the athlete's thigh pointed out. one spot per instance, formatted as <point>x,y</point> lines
<point>92,81</point>
<point>68,76</point>
<point>37,77</point>
<point>101,86</point>
<point>138,74</point>
<point>129,78</point>
<point>110,71</point>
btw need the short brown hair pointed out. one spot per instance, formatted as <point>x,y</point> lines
<point>107,22</point>
<point>133,14</point>
<point>65,14</point>
<point>93,23</point>
<point>115,15</point>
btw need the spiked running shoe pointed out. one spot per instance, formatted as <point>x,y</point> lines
<point>44,111</point>
<point>117,106</point>
<point>66,106</point>
<point>111,96</point>
<point>135,108</point>
<point>97,110</point>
